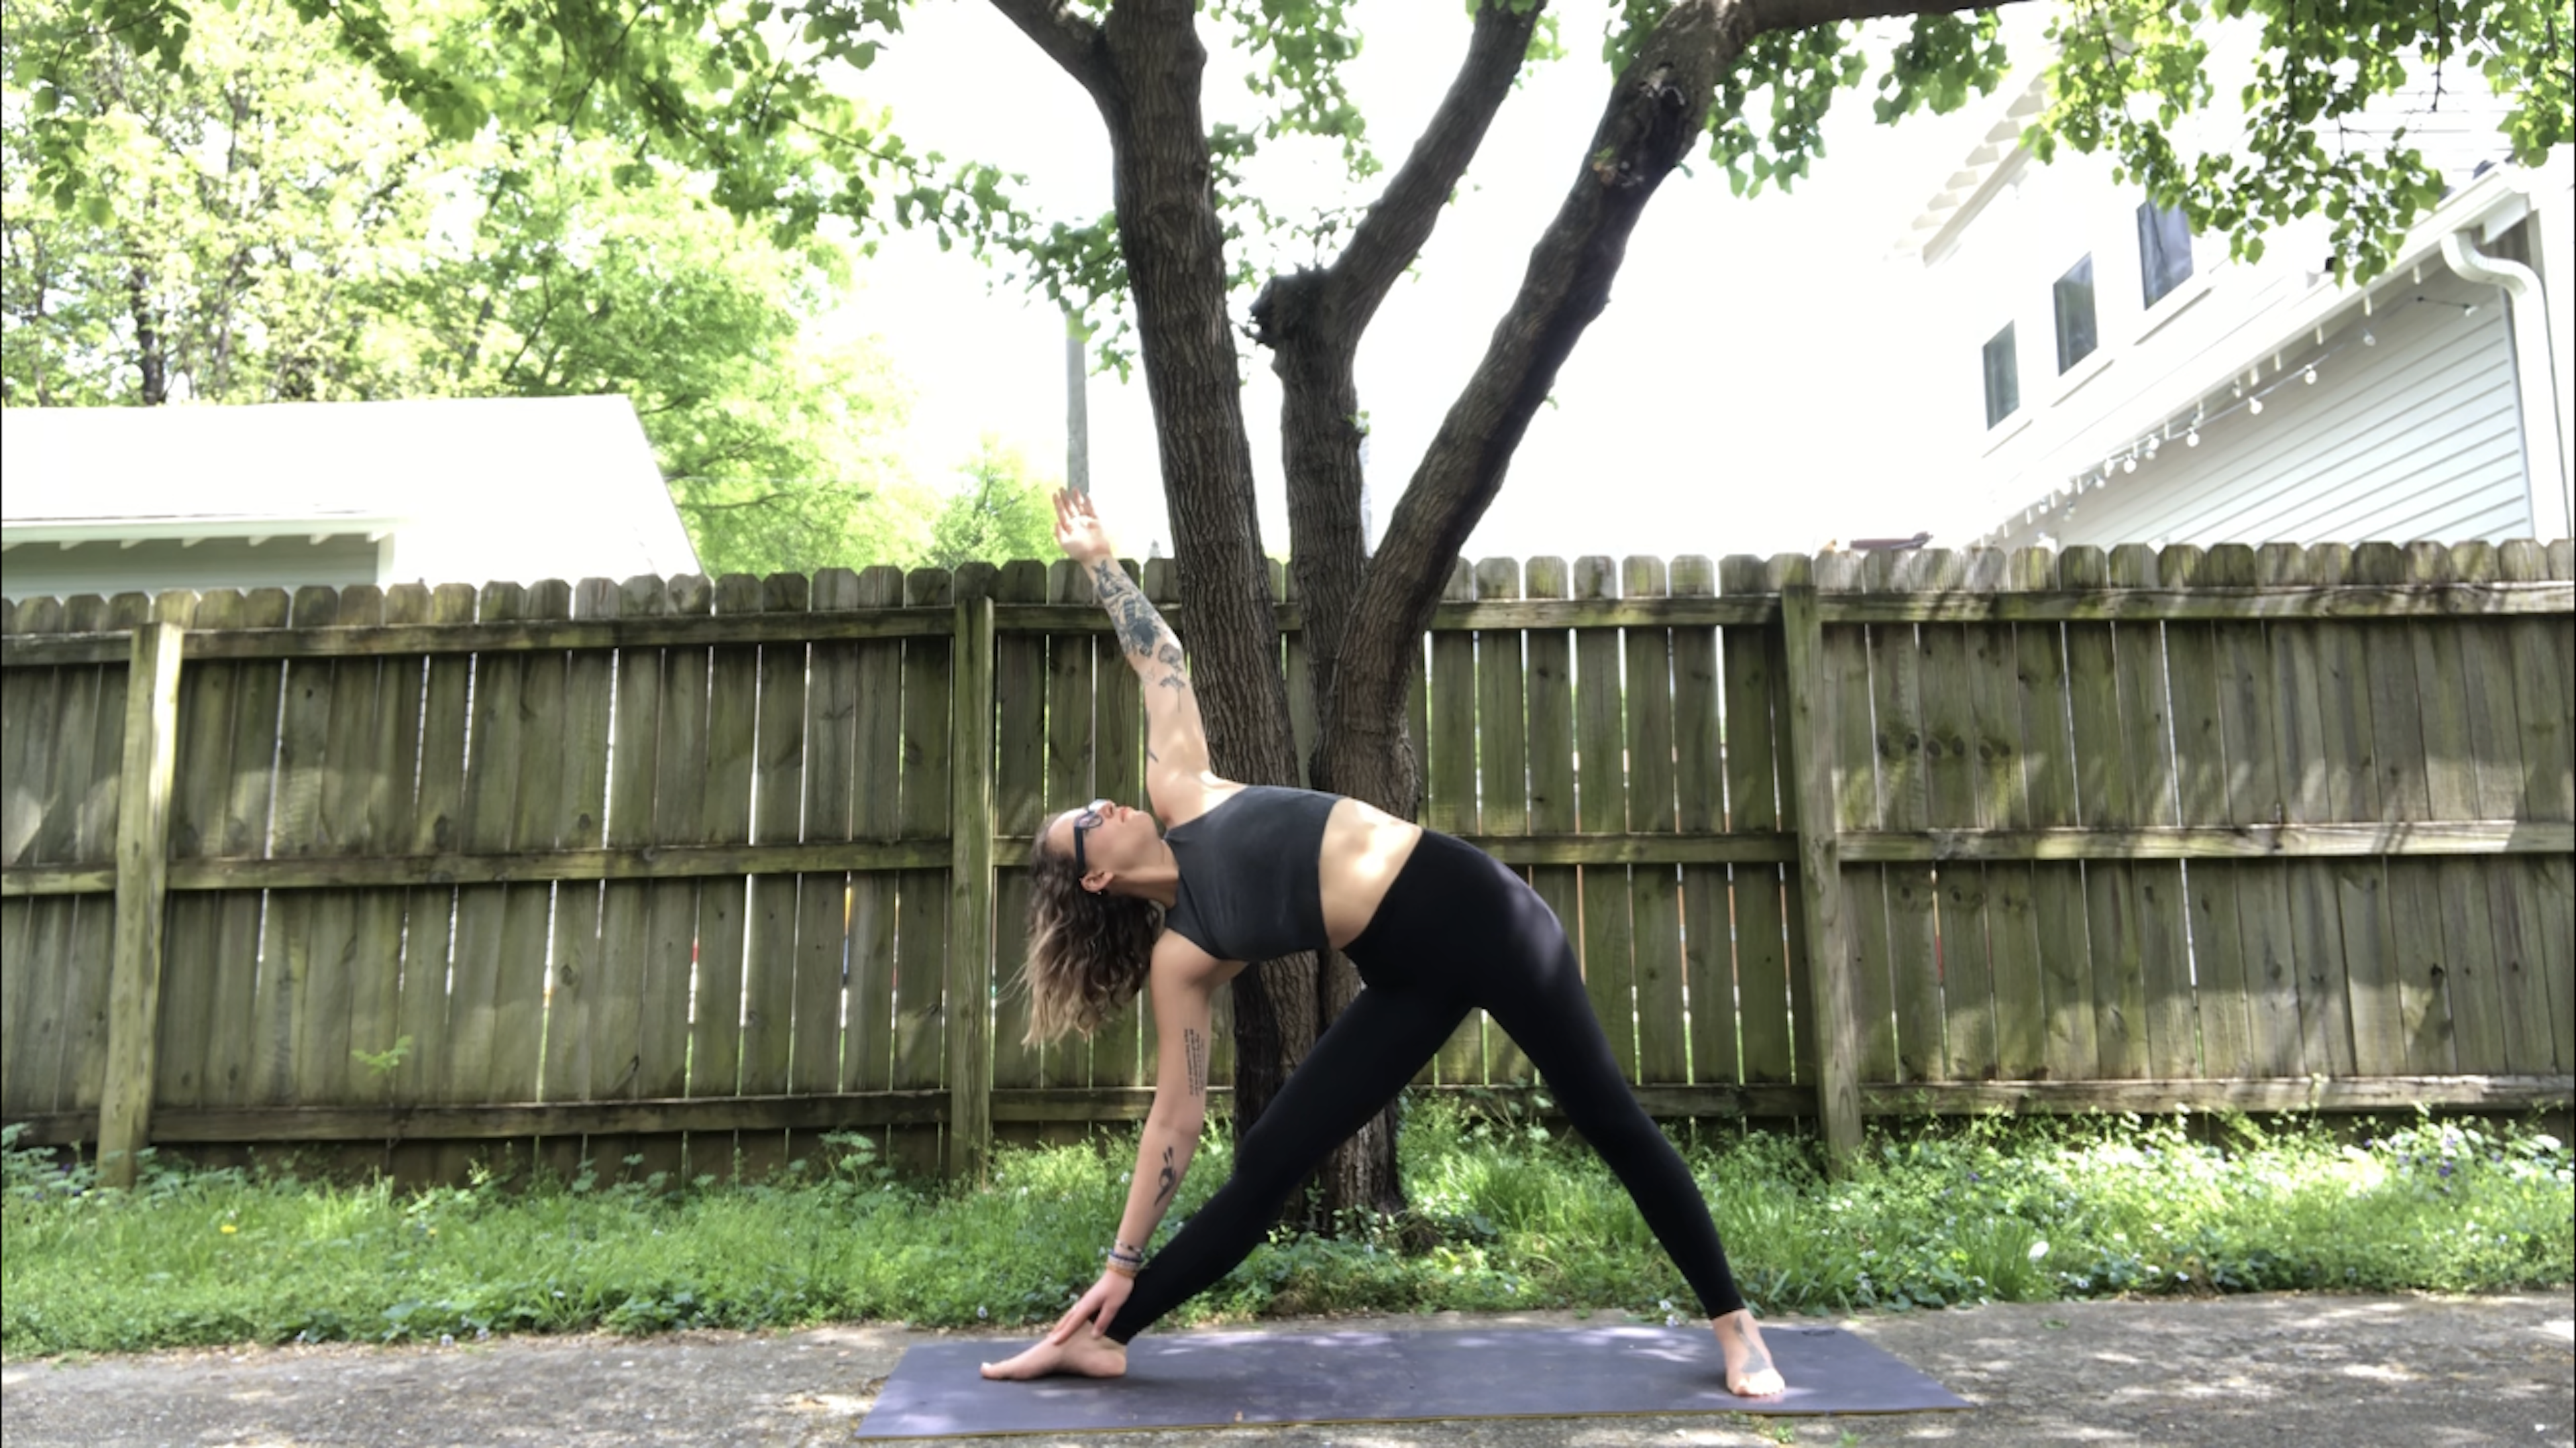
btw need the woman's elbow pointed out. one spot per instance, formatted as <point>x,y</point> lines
<point>1176,1120</point>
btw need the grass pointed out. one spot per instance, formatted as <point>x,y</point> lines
<point>1506,1215</point>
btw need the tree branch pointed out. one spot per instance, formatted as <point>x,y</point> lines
<point>1393,232</point>
<point>1069,40</point>
<point>1657,111</point>
<point>1761,17</point>
<point>1313,321</point>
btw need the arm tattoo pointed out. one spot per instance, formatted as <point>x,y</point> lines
<point>1146,639</point>
<point>1139,627</point>
<point>1194,1046</point>
<point>1167,1180</point>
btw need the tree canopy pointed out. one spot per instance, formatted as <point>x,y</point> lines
<point>1003,512</point>
<point>265,224</point>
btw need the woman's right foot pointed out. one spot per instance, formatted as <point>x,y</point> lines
<point>1082,1355</point>
<point>1749,1373</point>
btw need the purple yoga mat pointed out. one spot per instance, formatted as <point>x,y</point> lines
<point>1213,1379</point>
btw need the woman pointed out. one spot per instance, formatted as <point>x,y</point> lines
<point>1436,928</point>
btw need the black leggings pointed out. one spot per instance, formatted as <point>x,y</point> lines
<point>1457,930</point>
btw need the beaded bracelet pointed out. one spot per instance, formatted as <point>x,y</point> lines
<point>1122,1266</point>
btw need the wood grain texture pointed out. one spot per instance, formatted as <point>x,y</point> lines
<point>1753,664</point>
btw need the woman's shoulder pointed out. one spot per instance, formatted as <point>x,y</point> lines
<point>1179,799</point>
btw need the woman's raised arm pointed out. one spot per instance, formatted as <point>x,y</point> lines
<point>1175,740</point>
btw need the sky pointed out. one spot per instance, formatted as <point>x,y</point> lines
<point>1756,385</point>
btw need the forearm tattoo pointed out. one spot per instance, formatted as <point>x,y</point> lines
<point>1142,634</point>
<point>1167,1180</point>
<point>1194,1047</point>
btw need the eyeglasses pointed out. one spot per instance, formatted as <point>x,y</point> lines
<point>1091,818</point>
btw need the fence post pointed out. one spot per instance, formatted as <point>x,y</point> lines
<point>1810,730</point>
<point>970,893</point>
<point>142,870</point>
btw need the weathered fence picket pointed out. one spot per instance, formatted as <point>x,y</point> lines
<point>687,874</point>
<point>1503,769</point>
<point>1548,654</point>
<point>1699,782</point>
<point>1774,1029</point>
<point>1654,902</point>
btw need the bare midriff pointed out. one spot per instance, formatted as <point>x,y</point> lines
<point>1364,850</point>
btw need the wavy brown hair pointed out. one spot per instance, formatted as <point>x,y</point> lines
<point>1088,952</point>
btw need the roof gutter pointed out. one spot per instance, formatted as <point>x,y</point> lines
<point>257,528</point>
<point>2553,498</point>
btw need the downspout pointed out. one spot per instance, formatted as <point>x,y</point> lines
<point>2553,492</point>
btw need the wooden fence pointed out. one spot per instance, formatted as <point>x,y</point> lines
<point>684,874</point>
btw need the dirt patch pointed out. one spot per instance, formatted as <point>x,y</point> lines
<point>2230,1373</point>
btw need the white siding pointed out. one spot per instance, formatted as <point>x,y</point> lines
<point>2419,436</point>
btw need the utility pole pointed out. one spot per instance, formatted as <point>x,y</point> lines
<point>1077,408</point>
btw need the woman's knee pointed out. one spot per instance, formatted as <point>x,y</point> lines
<point>1269,1163</point>
<point>1617,1134</point>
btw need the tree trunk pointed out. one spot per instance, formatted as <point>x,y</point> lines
<point>1363,618</point>
<point>148,341</point>
<point>1657,110</point>
<point>1312,321</point>
<point>1174,247</point>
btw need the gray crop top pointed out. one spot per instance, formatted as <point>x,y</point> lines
<point>1250,888</point>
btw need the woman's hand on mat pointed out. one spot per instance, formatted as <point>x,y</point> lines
<point>1071,1350</point>
<point>1097,1307</point>
<point>1078,530</point>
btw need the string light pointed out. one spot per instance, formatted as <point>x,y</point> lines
<point>2246,392</point>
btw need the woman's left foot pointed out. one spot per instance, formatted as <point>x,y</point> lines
<point>1749,1373</point>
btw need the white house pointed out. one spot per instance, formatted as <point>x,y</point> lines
<point>2115,379</point>
<point>445,490</point>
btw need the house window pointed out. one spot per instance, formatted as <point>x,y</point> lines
<point>2076,334</point>
<point>2003,377</point>
<point>2164,249</point>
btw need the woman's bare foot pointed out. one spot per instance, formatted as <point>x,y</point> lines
<point>1749,1373</point>
<point>1082,1355</point>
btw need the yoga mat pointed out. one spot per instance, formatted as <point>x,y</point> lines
<point>1214,1379</point>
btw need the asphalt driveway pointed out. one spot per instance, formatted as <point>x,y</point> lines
<point>2348,1372</point>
